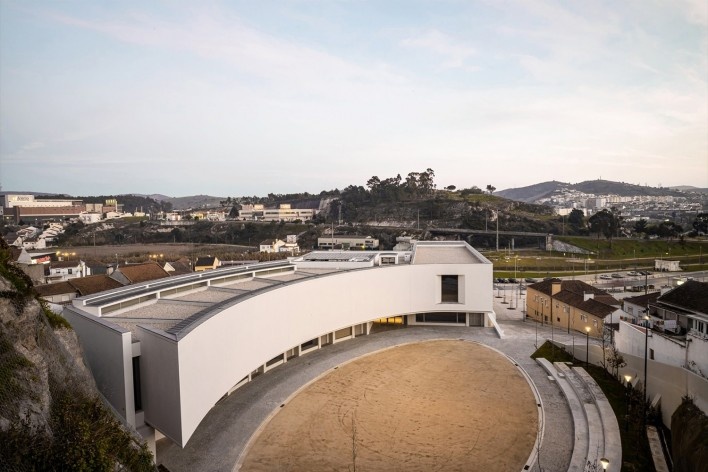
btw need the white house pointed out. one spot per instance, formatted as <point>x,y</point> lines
<point>61,271</point>
<point>663,265</point>
<point>90,217</point>
<point>346,241</point>
<point>271,245</point>
<point>678,321</point>
<point>165,351</point>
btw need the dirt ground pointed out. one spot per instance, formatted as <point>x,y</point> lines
<point>142,251</point>
<point>431,406</point>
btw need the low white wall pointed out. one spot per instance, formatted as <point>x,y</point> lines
<point>225,348</point>
<point>109,353</point>
<point>630,339</point>
<point>698,353</point>
<point>671,382</point>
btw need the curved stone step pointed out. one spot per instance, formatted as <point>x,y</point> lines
<point>577,411</point>
<point>610,427</point>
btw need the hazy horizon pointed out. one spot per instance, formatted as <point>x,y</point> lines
<point>244,98</point>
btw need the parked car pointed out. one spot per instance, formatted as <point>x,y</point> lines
<point>633,274</point>
<point>617,276</point>
<point>645,272</point>
<point>530,280</point>
<point>513,280</point>
<point>605,277</point>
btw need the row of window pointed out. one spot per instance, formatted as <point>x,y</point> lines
<point>441,317</point>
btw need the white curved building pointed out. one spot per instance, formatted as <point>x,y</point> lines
<point>163,353</point>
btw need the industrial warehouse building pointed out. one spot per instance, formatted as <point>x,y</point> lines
<point>163,352</point>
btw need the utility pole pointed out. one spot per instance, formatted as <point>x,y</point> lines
<point>497,232</point>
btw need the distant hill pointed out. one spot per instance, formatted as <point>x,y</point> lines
<point>533,193</point>
<point>689,188</point>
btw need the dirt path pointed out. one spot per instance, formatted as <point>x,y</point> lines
<point>438,405</point>
<point>166,250</point>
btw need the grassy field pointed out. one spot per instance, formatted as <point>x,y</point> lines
<point>623,248</point>
<point>625,255</point>
<point>160,252</point>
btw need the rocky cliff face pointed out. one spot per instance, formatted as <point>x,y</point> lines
<point>51,416</point>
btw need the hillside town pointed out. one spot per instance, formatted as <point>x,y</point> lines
<point>632,208</point>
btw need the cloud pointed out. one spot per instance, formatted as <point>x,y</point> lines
<point>695,11</point>
<point>455,52</point>
<point>224,38</point>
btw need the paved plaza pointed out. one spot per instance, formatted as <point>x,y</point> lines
<point>223,435</point>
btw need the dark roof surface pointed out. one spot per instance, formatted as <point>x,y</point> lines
<point>205,261</point>
<point>58,288</point>
<point>573,293</point>
<point>643,300</point>
<point>180,268</point>
<point>138,273</point>
<point>64,264</point>
<point>691,296</point>
<point>94,284</point>
<point>595,307</point>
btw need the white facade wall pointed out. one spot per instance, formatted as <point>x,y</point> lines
<point>109,353</point>
<point>225,348</point>
<point>698,353</point>
<point>630,340</point>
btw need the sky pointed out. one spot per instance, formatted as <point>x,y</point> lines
<point>253,97</point>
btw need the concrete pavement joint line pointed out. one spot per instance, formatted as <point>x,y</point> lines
<point>539,436</point>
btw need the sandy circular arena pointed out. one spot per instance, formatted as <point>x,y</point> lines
<point>430,406</point>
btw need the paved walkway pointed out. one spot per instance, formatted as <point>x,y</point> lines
<point>225,431</point>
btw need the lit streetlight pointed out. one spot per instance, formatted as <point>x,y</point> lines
<point>627,379</point>
<point>587,346</point>
<point>646,345</point>
<point>604,463</point>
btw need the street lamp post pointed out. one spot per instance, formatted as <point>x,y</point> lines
<point>536,345</point>
<point>587,346</point>
<point>627,378</point>
<point>646,345</point>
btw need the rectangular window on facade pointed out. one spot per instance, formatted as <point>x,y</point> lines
<point>441,317</point>
<point>651,354</point>
<point>137,394</point>
<point>449,289</point>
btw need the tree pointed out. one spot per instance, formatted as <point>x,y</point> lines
<point>491,189</point>
<point>700,224</point>
<point>640,226</point>
<point>450,188</point>
<point>605,223</point>
<point>373,184</point>
<point>668,229</point>
<point>576,220</point>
